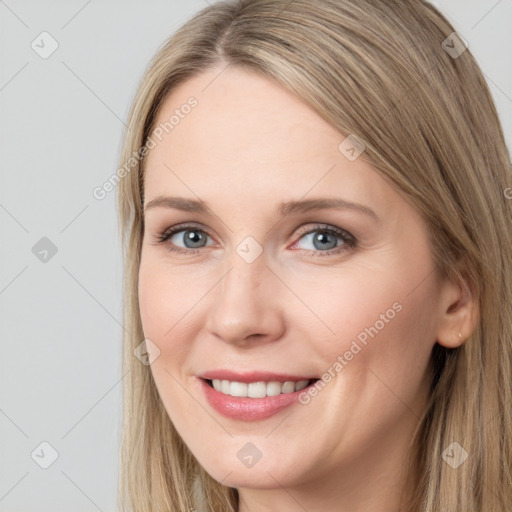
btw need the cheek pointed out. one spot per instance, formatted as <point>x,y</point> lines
<point>166,296</point>
<point>371,319</point>
<point>346,302</point>
<point>173,302</point>
<point>166,305</point>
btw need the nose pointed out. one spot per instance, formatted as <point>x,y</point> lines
<point>246,307</point>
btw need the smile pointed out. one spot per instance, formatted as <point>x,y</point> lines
<point>261,396</point>
<point>257,389</point>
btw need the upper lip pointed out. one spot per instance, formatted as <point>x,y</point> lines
<point>253,376</point>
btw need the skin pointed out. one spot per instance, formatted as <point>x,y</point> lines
<point>245,148</point>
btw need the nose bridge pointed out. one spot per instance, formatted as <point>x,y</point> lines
<point>244,302</point>
<point>242,289</point>
<point>248,269</point>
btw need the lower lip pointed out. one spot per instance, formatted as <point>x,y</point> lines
<point>248,409</point>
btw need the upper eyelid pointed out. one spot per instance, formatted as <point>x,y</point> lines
<point>319,226</point>
<point>303,230</point>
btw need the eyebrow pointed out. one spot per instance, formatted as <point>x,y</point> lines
<point>285,208</point>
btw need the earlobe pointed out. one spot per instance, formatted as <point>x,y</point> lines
<point>459,314</point>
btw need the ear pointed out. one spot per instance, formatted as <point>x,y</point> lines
<point>459,314</point>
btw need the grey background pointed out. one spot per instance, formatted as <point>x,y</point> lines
<point>60,320</point>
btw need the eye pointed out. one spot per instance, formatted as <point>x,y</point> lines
<point>324,240</point>
<point>192,237</point>
<point>321,239</point>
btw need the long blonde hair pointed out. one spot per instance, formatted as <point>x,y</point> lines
<point>385,71</point>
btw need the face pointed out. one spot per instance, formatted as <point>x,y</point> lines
<point>302,264</point>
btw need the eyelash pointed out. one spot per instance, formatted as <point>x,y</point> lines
<point>349,241</point>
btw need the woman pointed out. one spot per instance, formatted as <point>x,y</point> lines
<point>318,255</point>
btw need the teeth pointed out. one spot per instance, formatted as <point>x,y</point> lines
<point>224,386</point>
<point>274,388</point>
<point>257,389</point>
<point>238,389</point>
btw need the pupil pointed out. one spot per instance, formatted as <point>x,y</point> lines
<point>194,236</point>
<point>323,238</point>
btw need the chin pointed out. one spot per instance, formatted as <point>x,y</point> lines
<point>269,474</point>
<point>250,479</point>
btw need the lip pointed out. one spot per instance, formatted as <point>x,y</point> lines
<point>254,376</point>
<point>249,409</point>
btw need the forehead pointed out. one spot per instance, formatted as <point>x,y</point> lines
<point>248,138</point>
